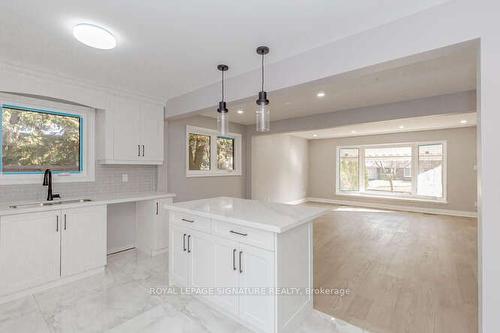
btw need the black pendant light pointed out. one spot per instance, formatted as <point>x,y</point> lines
<point>262,114</point>
<point>222,117</point>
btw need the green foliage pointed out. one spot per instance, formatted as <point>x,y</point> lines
<point>225,153</point>
<point>34,141</point>
<point>199,152</point>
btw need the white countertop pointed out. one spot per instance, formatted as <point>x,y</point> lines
<point>263,215</point>
<point>99,199</point>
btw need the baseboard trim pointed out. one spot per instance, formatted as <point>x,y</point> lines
<point>297,202</point>
<point>120,249</point>
<point>413,209</point>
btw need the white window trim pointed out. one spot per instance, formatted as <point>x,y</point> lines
<point>386,195</point>
<point>88,115</point>
<point>213,172</point>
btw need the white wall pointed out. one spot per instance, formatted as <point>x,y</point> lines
<point>279,168</point>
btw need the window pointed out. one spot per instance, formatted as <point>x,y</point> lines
<point>37,135</point>
<point>387,171</point>
<point>209,154</point>
<point>349,169</point>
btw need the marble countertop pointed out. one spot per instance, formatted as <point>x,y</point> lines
<point>99,199</point>
<point>263,215</point>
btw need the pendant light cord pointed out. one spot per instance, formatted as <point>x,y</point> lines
<point>223,86</point>
<point>262,72</point>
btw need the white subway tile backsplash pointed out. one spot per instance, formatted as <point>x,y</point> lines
<point>108,179</point>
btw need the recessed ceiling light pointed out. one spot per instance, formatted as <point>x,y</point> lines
<point>94,36</point>
<point>315,135</point>
<point>353,132</point>
<point>240,112</point>
<point>463,121</point>
<point>401,127</point>
<point>321,94</point>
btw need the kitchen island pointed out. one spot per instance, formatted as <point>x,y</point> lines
<point>251,259</point>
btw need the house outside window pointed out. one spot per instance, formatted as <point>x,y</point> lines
<point>209,154</point>
<point>413,171</point>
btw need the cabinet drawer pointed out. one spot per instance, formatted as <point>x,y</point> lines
<point>251,236</point>
<point>192,221</point>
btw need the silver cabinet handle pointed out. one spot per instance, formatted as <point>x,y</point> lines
<point>157,208</point>
<point>64,221</point>
<point>189,244</point>
<point>138,150</point>
<point>57,223</point>
<point>241,269</point>
<point>142,150</point>
<point>237,233</point>
<point>234,259</point>
<point>184,242</point>
<point>186,220</point>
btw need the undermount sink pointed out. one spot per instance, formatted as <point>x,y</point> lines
<point>49,203</point>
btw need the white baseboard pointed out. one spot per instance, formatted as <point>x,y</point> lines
<point>297,202</point>
<point>413,209</point>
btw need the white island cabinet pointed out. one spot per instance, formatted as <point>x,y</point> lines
<point>250,259</point>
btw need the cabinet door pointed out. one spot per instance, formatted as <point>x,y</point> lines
<point>152,133</point>
<point>256,268</point>
<point>226,273</point>
<point>83,241</point>
<point>201,251</point>
<point>29,250</point>
<point>126,131</point>
<point>161,224</point>
<point>178,263</point>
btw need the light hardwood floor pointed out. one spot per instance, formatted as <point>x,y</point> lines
<point>407,272</point>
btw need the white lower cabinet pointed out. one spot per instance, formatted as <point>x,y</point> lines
<point>199,259</point>
<point>152,226</point>
<point>83,239</point>
<point>38,248</point>
<point>29,250</point>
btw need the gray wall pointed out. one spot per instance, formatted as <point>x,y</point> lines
<point>192,188</point>
<point>462,178</point>
<point>279,168</point>
<point>444,104</point>
<point>108,180</point>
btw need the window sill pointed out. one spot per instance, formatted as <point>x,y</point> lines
<point>38,178</point>
<point>392,197</point>
<point>213,174</point>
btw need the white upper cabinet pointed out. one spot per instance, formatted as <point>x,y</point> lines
<point>130,132</point>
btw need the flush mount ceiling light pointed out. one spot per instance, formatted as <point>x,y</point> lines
<point>263,116</point>
<point>463,121</point>
<point>320,94</point>
<point>94,36</point>
<point>222,118</point>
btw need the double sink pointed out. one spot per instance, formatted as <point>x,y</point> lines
<point>49,203</point>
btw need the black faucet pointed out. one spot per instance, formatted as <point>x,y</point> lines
<point>47,181</point>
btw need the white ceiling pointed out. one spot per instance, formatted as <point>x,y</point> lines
<point>450,73</point>
<point>394,126</point>
<point>170,47</point>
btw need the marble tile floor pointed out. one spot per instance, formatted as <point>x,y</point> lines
<point>119,300</point>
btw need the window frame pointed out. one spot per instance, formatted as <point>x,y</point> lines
<point>87,138</point>
<point>214,171</point>
<point>413,196</point>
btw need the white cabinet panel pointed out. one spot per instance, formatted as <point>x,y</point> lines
<point>152,122</point>
<point>201,251</point>
<point>83,242</point>
<point>256,267</point>
<point>29,250</point>
<point>152,221</point>
<point>226,273</point>
<point>126,132</point>
<point>178,264</point>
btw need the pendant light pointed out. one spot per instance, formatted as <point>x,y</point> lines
<point>222,117</point>
<point>263,116</point>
